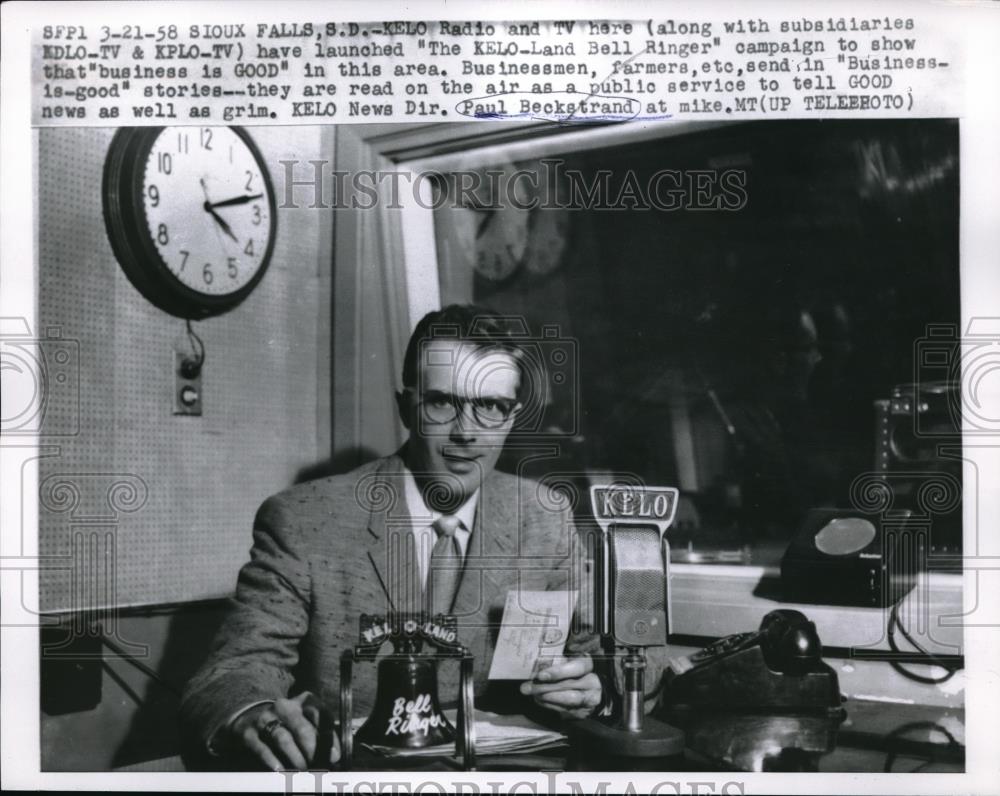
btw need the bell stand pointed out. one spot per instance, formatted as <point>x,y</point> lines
<point>367,650</point>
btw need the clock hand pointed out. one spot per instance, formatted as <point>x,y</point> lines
<point>220,221</point>
<point>237,200</point>
<point>486,222</point>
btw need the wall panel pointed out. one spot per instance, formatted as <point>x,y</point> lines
<point>159,507</point>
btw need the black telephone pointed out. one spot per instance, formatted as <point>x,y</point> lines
<point>777,667</point>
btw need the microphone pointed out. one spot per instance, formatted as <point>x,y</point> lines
<point>631,588</point>
<point>633,608</point>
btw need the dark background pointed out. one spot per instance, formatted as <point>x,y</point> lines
<point>852,217</point>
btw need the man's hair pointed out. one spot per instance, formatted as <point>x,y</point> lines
<point>465,323</point>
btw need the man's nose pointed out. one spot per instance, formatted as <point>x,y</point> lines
<point>464,426</point>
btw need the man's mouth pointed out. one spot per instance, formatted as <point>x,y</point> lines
<point>461,463</point>
<point>461,457</point>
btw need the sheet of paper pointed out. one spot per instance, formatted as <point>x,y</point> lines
<point>535,624</point>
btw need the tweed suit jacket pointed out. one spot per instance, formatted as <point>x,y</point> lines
<point>312,572</point>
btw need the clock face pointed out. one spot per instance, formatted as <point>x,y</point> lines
<point>206,208</point>
<point>500,242</point>
<point>546,240</point>
<point>549,231</point>
<point>190,213</point>
<point>503,232</point>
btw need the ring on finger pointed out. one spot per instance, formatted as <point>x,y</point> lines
<point>269,729</point>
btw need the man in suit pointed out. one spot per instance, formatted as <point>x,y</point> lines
<point>435,526</point>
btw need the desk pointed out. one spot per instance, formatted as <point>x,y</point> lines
<point>875,737</point>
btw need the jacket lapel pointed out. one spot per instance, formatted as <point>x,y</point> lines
<point>485,577</point>
<point>388,537</point>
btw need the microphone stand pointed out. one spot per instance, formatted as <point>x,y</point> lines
<point>635,734</point>
<point>633,701</point>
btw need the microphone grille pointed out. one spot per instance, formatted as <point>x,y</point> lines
<point>638,568</point>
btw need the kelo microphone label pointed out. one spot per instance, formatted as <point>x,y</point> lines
<point>631,503</point>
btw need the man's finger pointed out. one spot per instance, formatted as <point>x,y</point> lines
<point>283,744</point>
<point>304,733</point>
<point>313,714</point>
<point>570,699</point>
<point>310,707</point>
<point>293,714</point>
<point>567,700</point>
<point>565,669</point>
<point>588,682</point>
<point>335,750</point>
<point>546,662</point>
<point>263,752</point>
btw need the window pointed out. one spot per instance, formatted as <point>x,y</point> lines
<point>740,297</point>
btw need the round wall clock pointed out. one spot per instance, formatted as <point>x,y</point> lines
<point>500,242</point>
<point>548,231</point>
<point>501,200</point>
<point>547,238</point>
<point>190,213</point>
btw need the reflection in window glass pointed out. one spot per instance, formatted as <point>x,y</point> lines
<point>738,298</point>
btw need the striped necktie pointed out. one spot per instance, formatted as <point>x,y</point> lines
<point>446,566</point>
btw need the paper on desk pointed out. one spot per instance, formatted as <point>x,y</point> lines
<point>495,735</point>
<point>535,624</point>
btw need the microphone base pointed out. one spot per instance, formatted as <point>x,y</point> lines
<point>655,739</point>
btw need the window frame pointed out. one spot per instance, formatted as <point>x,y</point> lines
<point>707,600</point>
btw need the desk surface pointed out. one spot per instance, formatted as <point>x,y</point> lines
<point>875,737</point>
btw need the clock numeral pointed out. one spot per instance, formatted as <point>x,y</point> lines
<point>161,235</point>
<point>184,261</point>
<point>231,268</point>
<point>206,273</point>
<point>206,138</point>
<point>256,215</point>
<point>154,195</point>
<point>248,249</point>
<point>182,143</point>
<point>249,180</point>
<point>164,163</point>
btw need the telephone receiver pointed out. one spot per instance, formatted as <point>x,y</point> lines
<point>779,666</point>
<point>789,641</point>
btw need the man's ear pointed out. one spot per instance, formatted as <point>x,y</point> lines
<point>403,405</point>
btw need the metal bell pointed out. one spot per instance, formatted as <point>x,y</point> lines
<point>406,712</point>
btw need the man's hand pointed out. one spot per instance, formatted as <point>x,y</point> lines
<point>566,685</point>
<point>283,735</point>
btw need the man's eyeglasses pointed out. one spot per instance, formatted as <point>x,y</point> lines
<point>442,407</point>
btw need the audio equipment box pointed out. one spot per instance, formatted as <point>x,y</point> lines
<point>846,557</point>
